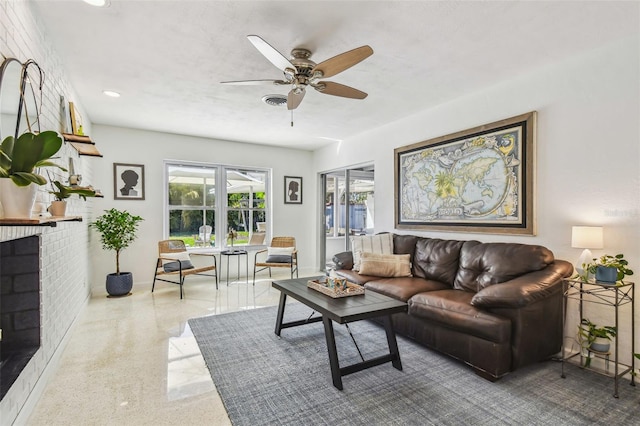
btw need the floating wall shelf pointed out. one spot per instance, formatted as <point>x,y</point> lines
<point>83,144</point>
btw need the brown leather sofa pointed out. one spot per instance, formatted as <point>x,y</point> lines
<point>495,306</point>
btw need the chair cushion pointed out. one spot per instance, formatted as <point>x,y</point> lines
<point>385,265</point>
<point>279,254</point>
<point>379,244</point>
<point>175,266</point>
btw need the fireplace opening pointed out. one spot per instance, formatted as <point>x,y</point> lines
<point>19,307</point>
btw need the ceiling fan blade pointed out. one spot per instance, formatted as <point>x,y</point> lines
<point>294,99</point>
<point>343,61</point>
<point>256,82</point>
<point>337,89</point>
<point>269,52</point>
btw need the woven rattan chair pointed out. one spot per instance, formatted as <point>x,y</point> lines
<point>290,262</point>
<point>165,248</point>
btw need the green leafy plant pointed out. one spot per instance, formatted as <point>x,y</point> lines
<point>117,231</point>
<point>20,157</point>
<point>607,260</point>
<point>65,192</point>
<point>588,332</point>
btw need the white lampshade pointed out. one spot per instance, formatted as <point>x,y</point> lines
<point>587,237</point>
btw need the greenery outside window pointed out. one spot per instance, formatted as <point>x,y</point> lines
<point>205,201</point>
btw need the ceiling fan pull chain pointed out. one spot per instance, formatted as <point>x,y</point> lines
<point>291,118</point>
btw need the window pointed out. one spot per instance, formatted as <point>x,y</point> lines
<point>206,201</point>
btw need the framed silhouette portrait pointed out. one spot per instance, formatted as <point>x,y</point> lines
<point>292,190</point>
<point>128,181</point>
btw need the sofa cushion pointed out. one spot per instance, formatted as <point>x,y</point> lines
<point>380,244</point>
<point>453,308</point>
<point>385,265</point>
<point>484,264</point>
<point>404,244</point>
<point>436,259</point>
<point>403,288</point>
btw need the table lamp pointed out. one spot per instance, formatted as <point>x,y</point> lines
<point>586,237</point>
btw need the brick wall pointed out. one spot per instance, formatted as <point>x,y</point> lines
<point>65,285</point>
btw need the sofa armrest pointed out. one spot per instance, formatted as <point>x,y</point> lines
<point>526,289</point>
<point>343,260</point>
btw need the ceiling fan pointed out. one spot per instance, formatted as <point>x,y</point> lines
<point>300,71</point>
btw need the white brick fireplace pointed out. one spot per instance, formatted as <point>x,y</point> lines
<point>64,291</point>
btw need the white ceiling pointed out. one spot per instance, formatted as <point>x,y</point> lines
<point>167,58</point>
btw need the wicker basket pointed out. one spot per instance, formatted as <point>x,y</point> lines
<point>352,289</point>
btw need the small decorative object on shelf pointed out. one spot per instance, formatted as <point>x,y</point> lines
<point>59,206</point>
<point>609,269</point>
<point>594,338</point>
<point>336,287</point>
<point>232,235</point>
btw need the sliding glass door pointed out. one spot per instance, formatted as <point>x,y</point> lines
<point>348,204</point>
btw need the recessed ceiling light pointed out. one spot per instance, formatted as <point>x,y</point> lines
<point>98,3</point>
<point>111,93</point>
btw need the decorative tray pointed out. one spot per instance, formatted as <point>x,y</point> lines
<point>336,287</point>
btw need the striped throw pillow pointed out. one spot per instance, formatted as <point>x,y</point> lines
<point>379,244</point>
<point>385,265</point>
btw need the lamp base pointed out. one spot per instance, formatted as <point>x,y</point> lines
<point>585,258</point>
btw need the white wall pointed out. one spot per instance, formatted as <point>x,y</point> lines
<point>120,145</point>
<point>64,283</point>
<point>588,151</point>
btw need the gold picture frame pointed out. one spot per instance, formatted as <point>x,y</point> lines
<point>477,180</point>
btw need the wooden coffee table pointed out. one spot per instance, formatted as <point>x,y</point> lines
<point>342,310</point>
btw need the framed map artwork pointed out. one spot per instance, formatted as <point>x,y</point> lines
<point>477,180</point>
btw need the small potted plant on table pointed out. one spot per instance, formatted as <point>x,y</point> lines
<point>609,269</point>
<point>117,231</point>
<point>594,338</point>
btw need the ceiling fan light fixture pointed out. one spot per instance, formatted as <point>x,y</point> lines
<point>274,100</point>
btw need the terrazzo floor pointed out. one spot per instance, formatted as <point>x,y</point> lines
<point>134,361</point>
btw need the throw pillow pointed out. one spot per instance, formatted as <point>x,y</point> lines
<point>172,265</point>
<point>178,255</point>
<point>279,254</point>
<point>343,260</point>
<point>385,265</point>
<point>379,244</point>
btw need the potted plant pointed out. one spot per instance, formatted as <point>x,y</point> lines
<point>609,269</point>
<point>59,206</point>
<point>18,160</point>
<point>117,231</point>
<point>594,338</point>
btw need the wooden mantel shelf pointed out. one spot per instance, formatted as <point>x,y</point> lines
<point>39,221</point>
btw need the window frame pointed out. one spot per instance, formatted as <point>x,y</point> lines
<point>221,208</point>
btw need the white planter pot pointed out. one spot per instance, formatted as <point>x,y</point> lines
<point>601,345</point>
<point>17,201</point>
